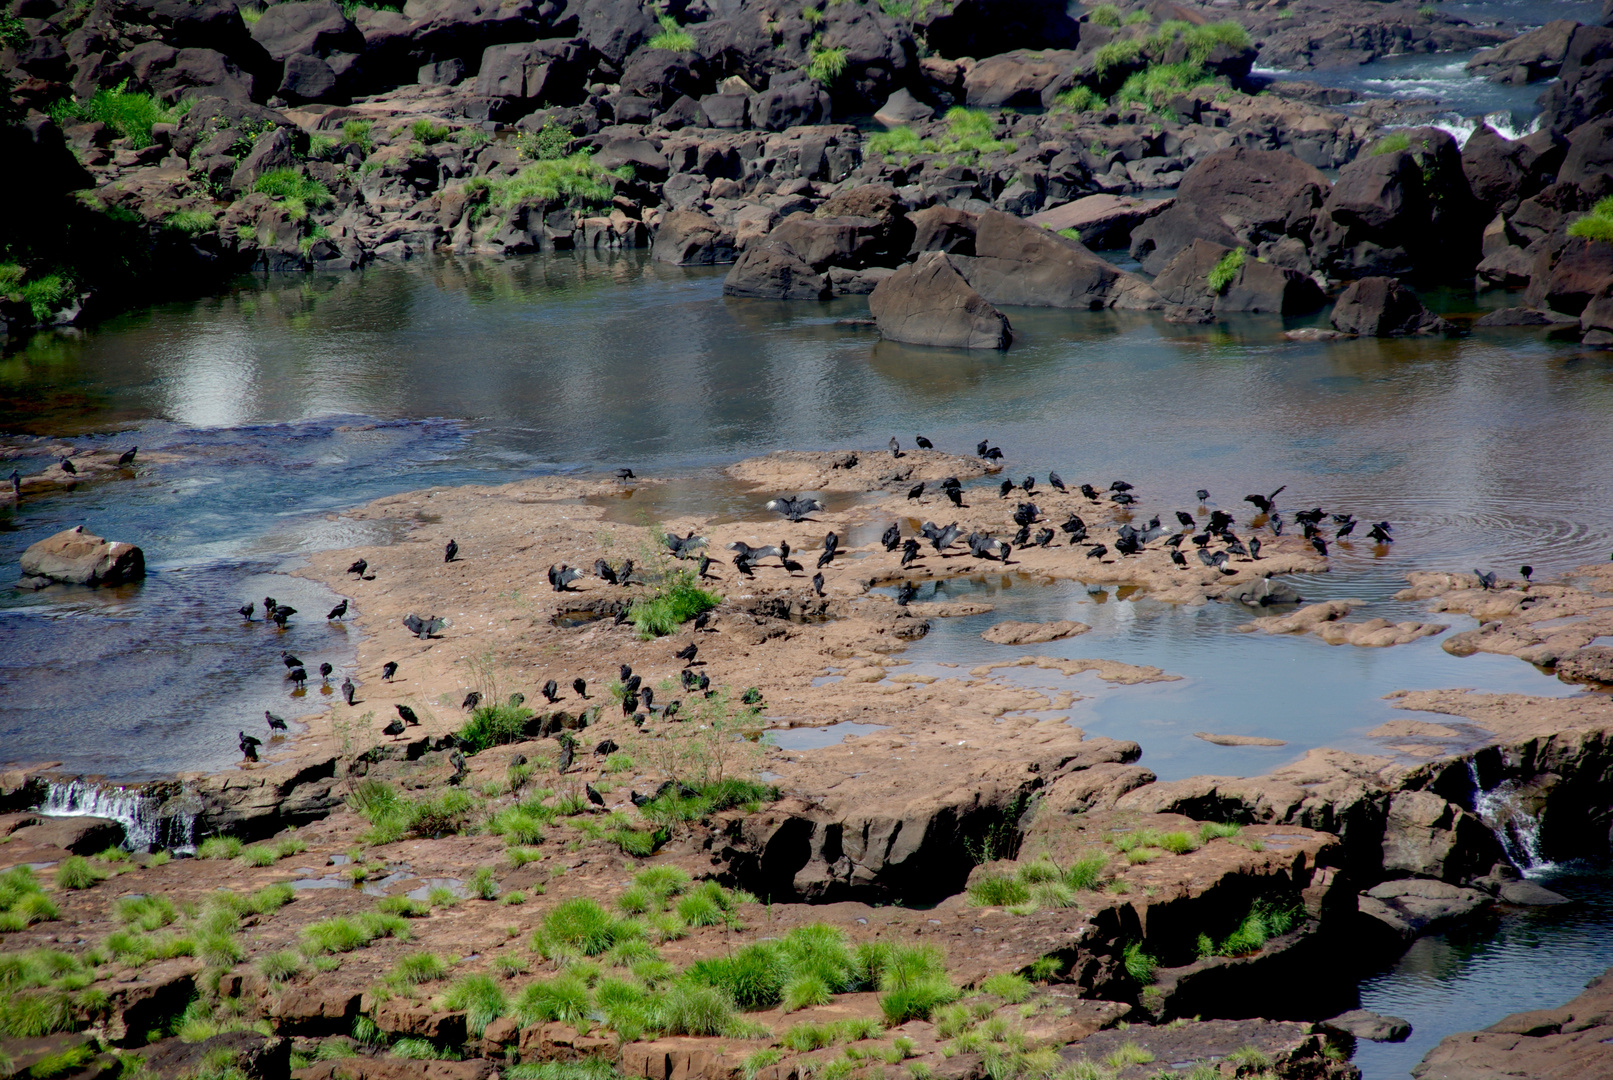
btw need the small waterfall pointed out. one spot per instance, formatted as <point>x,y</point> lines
<point>144,824</point>
<point>1514,826</point>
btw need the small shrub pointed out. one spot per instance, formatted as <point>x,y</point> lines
<point>619,762</point>
<point>1079,98</point>
<point>915,1002</point>
<point>295,191</point>
<point>425,131</point>
<point>1155,85</point>
<point>672,38</point>
<point>1139,964</point>
<point>279,966</point>
<point>219,847</point>
<point>564,999</point>
<point>77,872</point>
<point>678,599</point>
<point>1391,143</point>
<point>1221,276</point>
<point>1596,225</point>
<point>997,890</point>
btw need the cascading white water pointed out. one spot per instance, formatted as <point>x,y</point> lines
<point>1516,829</point>
<point>142,825</point>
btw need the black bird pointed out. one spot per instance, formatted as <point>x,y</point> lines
<point>892,537</point>
<point>639,800</point>
<point>1486,580</point>
<point>1380,532</point>
<point>127,457</point>
<point>831,544</point>
<point>1186,519</point>
<point>1056,481</point>
<point>629,704</point>
<point>1236,548</point>
<point>1254,547</point>
<point>568,751</point>
<point>1276,524</point>
<point>1097,551</point>
<point>1264,503</point>
<point>299,676</point>
<point>348,690</point>
<point>1320,545</point>
<point>687,653</point>
<point>703,683</point>
<point>289,660</point>
<point>956,495</point>
<point>282,613</point>
<point>950,482</point>
<point>603,572</point>
<point>472,699</point>
<point>1346,530</point>
<point>561,577</point>
<point>606,747</point>
<point>1074,525</point>
<point>593,796</point>
<point>581,686</point>
<point>916,491</point>
<point>324,671</point>
<point>1023,536</point>
<point>1128,542</point>
<point>940,539</point>
<point>1203,494</point>
<point>1200,539</point>
<point>671,710</point>
<point>358,568</point>
<point>1090,492</point>
<point>407,715</point>
<point>980,449</point>
<point>684,546</point>
<point>896,447</point>
<point>1343,519</point>
<point>633,683</point>
<point>994,454</point>
<point>1176,541</point>
<point>423,628</point>
<point>16,484</point>
<point>1220,522</point>
<point>268,606</point>
<point>249,746</point>
<point>626,672</point>
<point>389,669</point>
<point>625,474</point>
<point>67,467</point>
<point>1178,558</point>
<point>703,620</point>
<point>794,507</point>
<point>337,612</point>
<point>905,593</point>
<point>451,551</point>
<point>394,728</point>
<point>689,678</point>
<point>1026,513</point>
<point>1120,485</point>
<point>1312,516</point>
<point>275,722</point>
<point>705,566</point>
<point>550,691</point>
<point>1007,486</point>
<point>1209,560</point>
<point>910,551</point>
<point>457,759</point>
<point>1528,572</point>
<point>1044,537</point>
<point>1028,483</point>
<point>923,443</point>
<point>817,584</point>
<point>246,611</point>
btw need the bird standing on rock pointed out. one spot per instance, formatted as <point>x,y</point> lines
<point>324,672</point>
<point>896,447</point>
<point>817,583</point>
<point>407,715</point>
<point>68,467</point>
<point>1056,481</point>
<point>249,746</point>
<point>127,457</point>
<point>450,552</point>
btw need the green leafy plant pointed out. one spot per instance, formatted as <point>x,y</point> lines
<point>131,115</point>
<point>677,599</point>
<point>1390,144</point>
<point>1596,225</point>
<point>574,180</point>
<point>427,132</point>
<point>295,191</point>
<point>672,38</point>
<point>1138,963</point>
<point>1104,15</point>
<point>1155,85</point>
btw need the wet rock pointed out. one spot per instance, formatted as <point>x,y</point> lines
<point>774,272</point>
<point>929,303</point>
<point>690,238</point>
<point>1526,893</point>
<point>903,108</point>
<point>1568,279</point>
<point>1529,57</point>
<point>80,835</point>
<point>1584,89</point>
<point>1365,1024</point>
<point>942,228</point>
<point>1382,307</point>
<point>1027,633</point>
<point>1427,836</point>
<point>1255,286</point>
<point>1017,263</point>
<point>1522,316</point>
<point>1588,164</point>
<point>1410,906</point>
<point>1593,663</point>
<point>254,1056</point>
<point>1503,172</point>
<point>1237,740</point>
<point>1575,1040</point>
<point>1103,221</point>
<point>1264,592</point>
<point>76,557</point>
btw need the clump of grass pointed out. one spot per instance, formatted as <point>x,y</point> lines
<point>672,38</point>
<point>1079,98</point>
<point>619,762</point>
<point>1010,987</point>
<point>344,933</point>
<point>1155,85</point>
<point>295,191</point>
<point>1213,830</point>
<point>191,222</point>
<point>393,817</point>
<point>426,132</point>
<point>1264,921</point>
<point>482,999</point>
<point>495,725</point>
<point>219,847</point>
<point>825,63</point>
<point>131,115</point>
<point>1392,143</point>
<point>580,925</point>
<point>574,180</point>
<point>481,884</point>
<point>279,966</point>
<point>1105,15</point>
<point>22,901</point>
<point>914,983</point>
<point>420,967</point>
<point>1138,963</point>
<point>406,906</point>
<point>689,1009</point>
<point>1596,225</point>
<point>146,912</point>
<point>1128,1054</point>
<point>998,890</point>
<point>1224,273</point>
<point>1115,53</point>
<point>898,140</point>
<point>674,602</point>
<point>77,872</point>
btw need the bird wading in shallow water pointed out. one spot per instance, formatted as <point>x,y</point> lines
<point>337,612</point>
<point>127,457</point>
<point>249,746</point>
<point>275,722</point>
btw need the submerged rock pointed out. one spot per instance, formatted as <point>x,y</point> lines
<point>1382,307</point>
<point>75,557</point>
<point>1365,1024</point>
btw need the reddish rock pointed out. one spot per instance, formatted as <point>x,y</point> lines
<point>929,303</point>
<point>1573,1041</point>
<point>1382,307</point>
<point>76,557</point>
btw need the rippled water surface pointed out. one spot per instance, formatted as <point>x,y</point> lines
<point>287,402</point>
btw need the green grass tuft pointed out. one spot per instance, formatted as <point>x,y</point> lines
<point>1596,225</point>
<point>1391,143</point>
<point>297,192</point>
<point>825,63</point>
<point>131,115</point>
<point>279,966</point>
<point>1220,278</point>
<point>219,847</point>
<point>482,999</point>
<point>998,890</point>
<point>1139,964</point>
<point>678,599</point>
<point>77,872</point>
<point>672,38</point>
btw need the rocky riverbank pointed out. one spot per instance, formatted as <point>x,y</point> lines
<point>627,878</point>
<point>201,142</point>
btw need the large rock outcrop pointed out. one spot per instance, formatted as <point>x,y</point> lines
<point>1572,1041</point>
<point>929,303</point>
<point>1382,307</point>
<point>1017,263</point>
<point>76,557</point>
<point>1253,286</point>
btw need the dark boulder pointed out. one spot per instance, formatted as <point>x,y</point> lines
<point>1584,87</point>
<point>850,242</point>
<point>310,27</point>
<point>1405,208</point>
<point>903,108</point>
<point>1529,57</point>
<point>617,150</point>
<point>1018,79</point>
<point>690,238</point>
<point>1503,172</point>
<point>1382,307</point>
<point>1254,287</point>
<point>613,28</point>
<point>791,105</point>
<point>662,77</point>
<point>1566,279</point>
<point>1236,196</point>
<point>171,73</point>
<point>1016,263</point>
<point>878,51</point>
<point>772,271</point>
<point>927,302</point>
<point>549,71</point>
<point>942,228</point>
<point>1588,165</point>
<point>989,27</point>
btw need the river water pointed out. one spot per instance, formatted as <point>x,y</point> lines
<point>284,402</point>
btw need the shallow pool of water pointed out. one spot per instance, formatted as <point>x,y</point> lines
<point>816,738</point>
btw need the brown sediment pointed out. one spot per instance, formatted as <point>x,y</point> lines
<point>1027,633</point>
